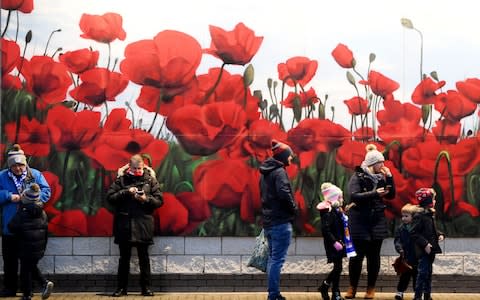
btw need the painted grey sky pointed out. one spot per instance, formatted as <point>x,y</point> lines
<point>290,28</point>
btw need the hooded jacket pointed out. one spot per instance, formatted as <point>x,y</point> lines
<point>424,231</point>
<point>30,225</point>
<point>278,204</point>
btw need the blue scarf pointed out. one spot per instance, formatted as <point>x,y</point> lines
<point>18,180</point>
<point>349,248</point>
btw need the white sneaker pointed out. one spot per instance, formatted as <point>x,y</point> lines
<point>47,289</point>
<point>399,296</point>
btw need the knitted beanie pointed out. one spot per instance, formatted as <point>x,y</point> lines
<point>425,196</point>
<point>32,194</point>
<point>373,156</point>
<point>332,196</point>
<point>16,156</point>
<point>281,151</point>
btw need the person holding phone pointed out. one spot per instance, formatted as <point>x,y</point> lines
<point>134,195</point>
<point>371,183</point>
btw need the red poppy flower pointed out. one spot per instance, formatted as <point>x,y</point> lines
<point>203,130</point>
<point>381,85</point>
<point>46,79</point>
<point>470,88</point>
<point>352,153</point>
<point>152,99</point>
<point>230,88</point>
<point>113,148</point>
<point>454,106</point>
<point>404,131</point>
<point>25,6</point>
<point>403,193</point>
<point>79,61</point>
<point>343,56</point>
<point>103,29</point>
<point>56,193</point>
<point>394,110</point>
<point>234,47</point>
<point>32,135</point>
<point>116,120</point>
<point>363,134</point>
<point>254,141</point>
<point>302,219</point>
<point>313,135</point>
<point>357,106</point>
<point>447,131</point>
<point>11,82</point>
<point>72,130</point>
<point>168,62</point>
<point>304,99</point>
<point>424,92</point>
<point>297,69</point>
<point>238,186</point>
<point>10,55</point>
<point>198,208</point>
<point>69,223</point>
<point>172,217</point>
<point>100,224</point>
<point>99,85</point>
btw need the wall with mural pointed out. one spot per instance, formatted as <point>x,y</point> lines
<point>201,91</point>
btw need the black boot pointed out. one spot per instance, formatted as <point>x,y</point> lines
<point>427,296</point>
<point>337,296</point>
<point>119,292</point>
<point>147,292</point>
<point>323,289</point>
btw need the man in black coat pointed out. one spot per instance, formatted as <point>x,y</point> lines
<point>135,195</point>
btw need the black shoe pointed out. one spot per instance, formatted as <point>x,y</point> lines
<point>26,298</point>
<point>323,289</point>
<point>7,293</point>
<point>147,292</point>
<point>119,292</point>
<point>337,296</point>
<point>279,297</point>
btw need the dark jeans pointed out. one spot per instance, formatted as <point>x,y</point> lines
<point>28,271</point>
<point>279,237</point>
<point>334,276</point>
<point>405,279</point>
<point>371,250</point>
<point>424,277</point>
<point>124,265</point>
<point>10,250</point>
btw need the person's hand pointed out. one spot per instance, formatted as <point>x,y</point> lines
<point>441,237</point>
<point>382,191</point>
<point>140,196</point>
<point>133,190</point>
<point>15,198</point>
<point>428,248</point>
<point>338,246</point>
<point>386,171</point>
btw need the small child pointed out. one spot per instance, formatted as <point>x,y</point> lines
<point>405,247</point>
<point>30,224</point>
<point>333,221</point>
<point>425,237</point>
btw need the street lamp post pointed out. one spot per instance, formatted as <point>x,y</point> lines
<point>407,23</point>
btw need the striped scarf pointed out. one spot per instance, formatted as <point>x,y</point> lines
<point>18,180</point>
<point>349,248</point>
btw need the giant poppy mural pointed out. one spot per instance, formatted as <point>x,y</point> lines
<point>204,109</point>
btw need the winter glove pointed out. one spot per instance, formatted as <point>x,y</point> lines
<point>338,246</point>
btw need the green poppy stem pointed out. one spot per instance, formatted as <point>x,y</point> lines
<point>446,155</point>
<point>8,21</point>
<point>217,82</point>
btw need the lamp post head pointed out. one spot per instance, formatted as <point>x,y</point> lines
<point>407,23</point>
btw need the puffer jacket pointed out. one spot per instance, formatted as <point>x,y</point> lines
<point>278,203</point>
<point>30,225</point>
<point>403,243</point>
<point>332,231</point>
<point>133,220</point>
<point>424,231</point>
<point>366,211</point>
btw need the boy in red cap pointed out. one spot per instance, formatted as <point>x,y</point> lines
<point>425,237</point>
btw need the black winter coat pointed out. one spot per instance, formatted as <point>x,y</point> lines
<point>367,219</point>
<point>30,225</point>
<point>424,232</point>
<point>403,243</point>
<point>278,204</point>
<point>332,231</point>
<point>133,220</point>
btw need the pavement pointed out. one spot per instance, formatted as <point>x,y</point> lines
<point>240,296</point>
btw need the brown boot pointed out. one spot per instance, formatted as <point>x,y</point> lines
<point>370,294</point>
<point>350,294</point>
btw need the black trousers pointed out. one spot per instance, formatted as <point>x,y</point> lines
<point>371,250</point>
<point>29,271</point>
<point>124,265</point>
<point>333,277</point>
<point>10,250</point>
<point>405,279</point>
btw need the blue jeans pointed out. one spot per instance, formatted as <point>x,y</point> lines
<point>424,277</point>
<point>279,237</point>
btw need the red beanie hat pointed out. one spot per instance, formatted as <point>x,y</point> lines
<point>281,151</point>
<point>425,197</point>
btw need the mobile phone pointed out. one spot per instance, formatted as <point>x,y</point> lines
<point>388,187</point>
<point>140,192</point>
